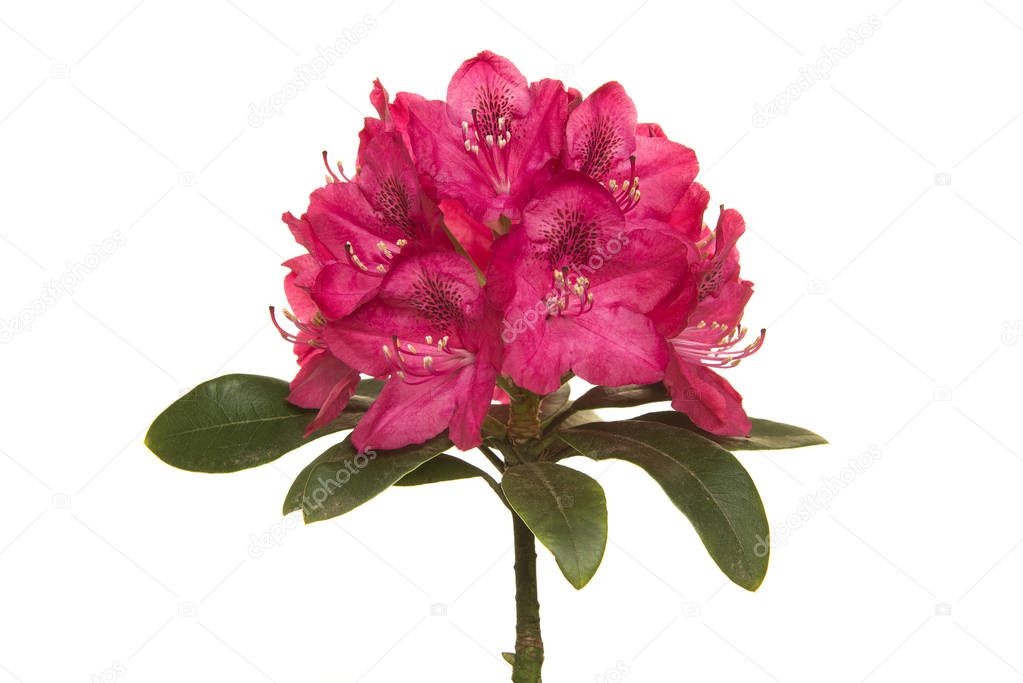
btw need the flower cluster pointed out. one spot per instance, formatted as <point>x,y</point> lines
<point>516,230</point>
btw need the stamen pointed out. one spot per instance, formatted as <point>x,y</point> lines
<point>414,367</point>
<point>310,329</point>
<point>494,161</point>
<point>719,352</point>
<point>569,294</point>
<point>350,250</point>
<point>379,269</point>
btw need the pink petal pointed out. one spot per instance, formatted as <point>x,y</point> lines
<point>650,130</point>
<point>650,265</point>
<point>665,170</point>
<point>610,347</point>
<point>390,183</point>
<point>687,214</point>
<point>445,167</point>
<point>490,85</point>
<point>707,398</point>
<point>323,383</point>
<point>340,288</point>
<point>601,132</point>
<point>571,220</point>
<point>406,413</point>
<point>474,236</point>
<point>378,98</point>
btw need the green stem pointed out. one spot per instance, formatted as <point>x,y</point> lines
<point>523,415</point>
<point>492,457</point>
<point>528,643</point>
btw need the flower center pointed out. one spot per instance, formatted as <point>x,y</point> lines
<point>417,364</point>
<point>626,191</point>
<point>381,261</point>
<point>486,138</point>
<point>715,345</point>
<point>570,295</point>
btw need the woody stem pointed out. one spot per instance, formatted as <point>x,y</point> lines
<point>528,643</point>
<point>524,432</point>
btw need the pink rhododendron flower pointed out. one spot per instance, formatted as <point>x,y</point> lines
<point>604,142</point>
<point>355,230</point>
<point>712,336</point>
<point>578,280</point>
<point>492,140</point>
<point>323,382</point>
<point>428,330</point>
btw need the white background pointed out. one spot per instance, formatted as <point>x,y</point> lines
<point>885,240</point>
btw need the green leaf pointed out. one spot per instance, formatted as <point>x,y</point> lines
<point>554,402</point>
<point>621,397</point>
<point>566,510</point>
<point>765,436</point>
<point>703,480</point>
<point>508,657</point>
<point>442,468</point>
<point>238,421</point>
<point>228,424</point>
<point>293,500</point>
<point>342,479</point>
<point>551,447</point>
